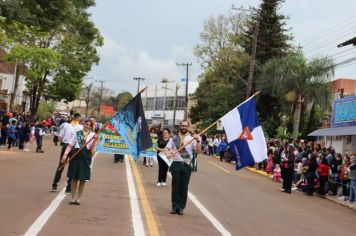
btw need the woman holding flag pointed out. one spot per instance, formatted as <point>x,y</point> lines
<point>79,167</point>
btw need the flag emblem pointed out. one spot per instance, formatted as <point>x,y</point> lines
<point>246,134</point>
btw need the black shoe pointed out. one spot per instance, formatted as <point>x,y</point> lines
<point>54,189</point>
<point>72,203</point>
<point>174,212</point>
<point>180,212</point>
<point>67,191</point>
<point>287,191</point>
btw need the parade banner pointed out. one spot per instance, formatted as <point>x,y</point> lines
<point>112,142</point>
<point>152,151</point>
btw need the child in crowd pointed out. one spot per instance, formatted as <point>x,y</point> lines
<point>277,174</point>
<point>11,134</point>
<point>269,167</point>
<point>222,148</point>
<point>39,132</point>
<point>323,172</point>
<point>55,135</point>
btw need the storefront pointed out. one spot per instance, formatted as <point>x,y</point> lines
<point>342,134</point>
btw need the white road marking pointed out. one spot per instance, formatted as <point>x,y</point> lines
<point>135,209</point>
<point>46,214</point>
<point>206,213</point>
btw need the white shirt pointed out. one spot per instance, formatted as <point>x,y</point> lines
<point>189,148</point>
<point>69,133</point>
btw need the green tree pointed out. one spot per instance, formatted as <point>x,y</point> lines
<point>122,99</point>
<point>298,81</point>
<point>221,85</point>
<point>62,26</point>
<point>272,38</point>
<point>45,110</point>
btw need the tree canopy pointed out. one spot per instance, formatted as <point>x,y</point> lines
<point>56,40</point>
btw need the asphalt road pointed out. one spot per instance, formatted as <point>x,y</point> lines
<point>230,202</point>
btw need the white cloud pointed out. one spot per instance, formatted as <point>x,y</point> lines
<point>119,65</point>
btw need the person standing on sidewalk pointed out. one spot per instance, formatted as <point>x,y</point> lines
<point>323,172</point>
<point>66,134</point>
<point>352,176</point>
<point>181,167</point>
<point>162,165</point>
<point>288,162</point>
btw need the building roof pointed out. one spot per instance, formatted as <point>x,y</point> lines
<point>338,131</point>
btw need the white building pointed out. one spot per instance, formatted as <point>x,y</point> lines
<point>158,102</point>
<point>7,84</point>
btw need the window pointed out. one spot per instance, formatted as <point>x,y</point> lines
<point>150,104</point>
<point>159,103</point>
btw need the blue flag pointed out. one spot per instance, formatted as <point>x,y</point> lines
<point>131,124</point>
<point>245,135</point>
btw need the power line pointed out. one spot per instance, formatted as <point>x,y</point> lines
<point>331,29</point>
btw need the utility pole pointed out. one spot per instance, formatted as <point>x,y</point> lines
<point>253,55</point>
<point>101,95</point>
<point>175,107</point>
<point>253,62</point>
<point>186,87</point>
<point>138,85</point>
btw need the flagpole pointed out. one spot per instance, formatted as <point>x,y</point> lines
<point>211,125</point>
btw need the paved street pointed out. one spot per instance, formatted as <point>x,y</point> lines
<point>236,203</point>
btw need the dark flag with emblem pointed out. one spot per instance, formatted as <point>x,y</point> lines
<point>245,135</point>
<point>131,124</point>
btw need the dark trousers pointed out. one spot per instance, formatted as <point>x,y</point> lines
<point>345,192</point>
<point>3,136</point>
<point>39,143</point>
<point>180,180</point>
<point>10,141</point>
<point>322,181</point>
<point>310,181</point>
<point>287,179</point>
<point>162,170</point>
<point>118,157</point>
<point>58,174</point>
<point>221,155</point>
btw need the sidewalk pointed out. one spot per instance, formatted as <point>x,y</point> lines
<point>329,197</point>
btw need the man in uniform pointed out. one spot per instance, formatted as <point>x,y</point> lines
<point>181,166</point>
<point>65,135</point>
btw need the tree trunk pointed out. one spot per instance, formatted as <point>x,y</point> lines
<point>16,85</point>
<point>296,118</point>
<point>39,93</point>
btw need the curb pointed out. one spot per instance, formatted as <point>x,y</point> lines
<point>330,198</point>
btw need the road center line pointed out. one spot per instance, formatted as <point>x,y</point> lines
<point>206,213</point>
<point>220,167</point>
<point>151,222</point>
<point>36,227</point>
<point>135,209</point>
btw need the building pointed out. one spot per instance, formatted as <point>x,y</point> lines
<point>343,87</point>
<point>340,133</point>
<point>159,100</point>
<point>7,83</point>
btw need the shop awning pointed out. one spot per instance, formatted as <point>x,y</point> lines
<point>339,131</point>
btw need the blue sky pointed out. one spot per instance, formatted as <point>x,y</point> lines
<point>147,38</point>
